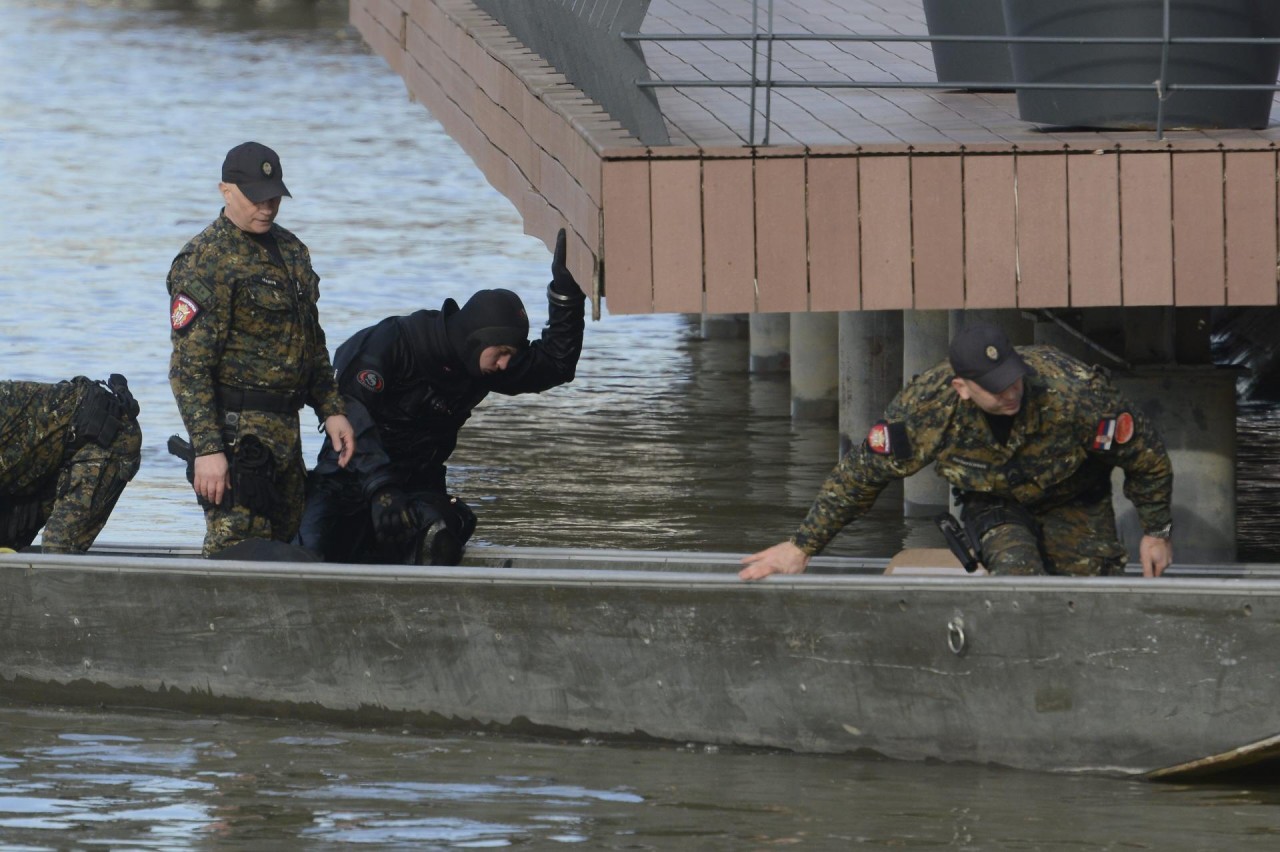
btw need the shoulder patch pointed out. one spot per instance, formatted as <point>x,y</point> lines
<point>183,311</point>
<point>878,439</point>
<point>371,380</point>
<point>887,438</point>
<point>1124,427</point>
<point>1111,431</point>
<point>197,290</point>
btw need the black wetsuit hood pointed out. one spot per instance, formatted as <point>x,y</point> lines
<point>489,318</point>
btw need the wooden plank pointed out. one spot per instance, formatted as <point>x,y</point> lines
<point>782,270</point>
<point>628,265</point>
<point>990,272</point>
<point>1199,229</point>
<point>1093,229</point>
<point>1233,760</point>
<point>937,231</point>
<point>834,276</point>
<point>1146,233</point>
<point>1251,227</point>
<point>676,201</point>
<point>1042,231</point>
<point>884,185</point>
<point>729,222</point>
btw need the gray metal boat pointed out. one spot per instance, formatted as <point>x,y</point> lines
<point>1165,678</point>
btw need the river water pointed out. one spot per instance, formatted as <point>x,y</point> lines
<point>114,117</point>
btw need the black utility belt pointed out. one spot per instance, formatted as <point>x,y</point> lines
<point>248,399</point>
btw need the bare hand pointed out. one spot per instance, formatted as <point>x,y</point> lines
<point>212,477</point>
<point>339,430</point>
<point>1156,555</point>
<point>782,558</point>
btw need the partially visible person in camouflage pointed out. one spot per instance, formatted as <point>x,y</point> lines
<point>67,450</point>
<point>248,353</point>
<point>1028,438</point>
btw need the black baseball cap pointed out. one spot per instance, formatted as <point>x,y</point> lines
<point>255,169</point>
<point>982,353</point>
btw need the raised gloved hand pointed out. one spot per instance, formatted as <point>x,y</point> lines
<point>562,280</point>
<point>392,513</point>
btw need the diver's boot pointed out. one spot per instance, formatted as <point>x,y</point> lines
<point>439,546</point>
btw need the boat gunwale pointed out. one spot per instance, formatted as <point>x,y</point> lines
<point>137,563</point>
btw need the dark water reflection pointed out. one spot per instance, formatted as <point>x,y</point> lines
<point>1258,476</point>
<point>113,119</point>
<point>254,784</point>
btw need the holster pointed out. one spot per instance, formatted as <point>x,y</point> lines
<point>253,474</point>
<point>101,412</point>
<point>958,541</point>
<point>253,477</point>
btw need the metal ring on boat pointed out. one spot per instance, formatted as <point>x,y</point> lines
<point>955,635</point>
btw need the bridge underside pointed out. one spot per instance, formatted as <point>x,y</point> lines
<point>869,215</point>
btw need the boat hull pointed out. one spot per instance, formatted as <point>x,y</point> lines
<point>1100,675</point>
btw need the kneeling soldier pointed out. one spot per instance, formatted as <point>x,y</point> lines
<point>67,450</point>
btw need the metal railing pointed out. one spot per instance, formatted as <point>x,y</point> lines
<point>1160,87</point>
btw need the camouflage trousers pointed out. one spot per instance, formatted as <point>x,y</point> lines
<point>233,521</point>
<point>1078,539</point>
<point>76,502</point>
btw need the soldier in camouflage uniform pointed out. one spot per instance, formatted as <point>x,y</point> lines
<point>248,353</point>
<point>1028,439</point>
<point>67,450</point>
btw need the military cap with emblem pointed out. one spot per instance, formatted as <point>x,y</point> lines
<point>255,169</point>
<point>981,353</point>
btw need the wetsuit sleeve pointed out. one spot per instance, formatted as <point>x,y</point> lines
<point>553,359</point>
<point>379,365</point>
<point>370,463</point>
<point>200,308</point>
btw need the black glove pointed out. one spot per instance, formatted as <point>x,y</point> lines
<point>392,514</point>
<point>562,281</point>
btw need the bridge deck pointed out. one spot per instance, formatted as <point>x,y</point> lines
<point>864,200</point>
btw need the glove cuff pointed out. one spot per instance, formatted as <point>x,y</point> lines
<point>554,295</point>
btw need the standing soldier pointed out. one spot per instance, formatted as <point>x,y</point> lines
<point>248,353</point>
<point>67,450</point>
<point>1028,439</point>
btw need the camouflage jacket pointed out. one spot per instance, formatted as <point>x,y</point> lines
<point>238,318</point>
<point>1074,427</point>
<point>35,424</point>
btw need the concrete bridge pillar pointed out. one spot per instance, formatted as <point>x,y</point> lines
<point>725,327</point>
<point>814,372</point>
<point>870,370</point>
<point>924,343</point>
<point>770,343</point>
<point>870,376</point>
<point>1194,408</point>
